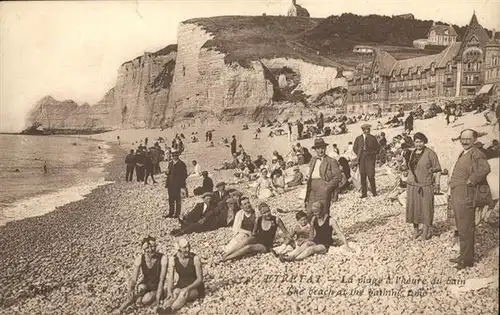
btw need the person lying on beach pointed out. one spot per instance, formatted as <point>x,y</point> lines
<point>189,286</point>
<point>230,165</point>
<point>153,265</point>
<point>322,234</point>
<point>299,234</point>
<point>243,226</point>
<point>262,236</point>
<point>198,220</point>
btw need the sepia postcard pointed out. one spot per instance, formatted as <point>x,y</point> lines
<point>249,157</point>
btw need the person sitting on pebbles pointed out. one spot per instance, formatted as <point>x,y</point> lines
<point>243,226</point>
<point>263,235</point>
<point>264,186</point>
<point>189,286</point>
<point>153,265</point>
<point>299,234</point>
<point>323,228</point>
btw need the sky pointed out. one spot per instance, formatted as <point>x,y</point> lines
<point>72,50</point>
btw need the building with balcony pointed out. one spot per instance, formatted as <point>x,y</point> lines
<point>459,70</point>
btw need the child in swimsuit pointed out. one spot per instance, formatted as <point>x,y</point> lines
<point>299,234</point>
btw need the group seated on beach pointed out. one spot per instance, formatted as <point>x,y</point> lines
<point>158,287</point>
<point>255,232</point>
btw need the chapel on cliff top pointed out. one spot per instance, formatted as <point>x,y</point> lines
<point>297,10</point>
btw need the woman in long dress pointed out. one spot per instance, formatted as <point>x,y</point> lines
<point>423,180</point>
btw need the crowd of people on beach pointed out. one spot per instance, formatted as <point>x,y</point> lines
<point>330,172</point>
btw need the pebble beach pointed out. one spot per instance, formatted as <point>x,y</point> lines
<point>77,259</point>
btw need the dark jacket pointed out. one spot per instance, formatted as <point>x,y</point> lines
<point>197,214</point>
<point>177,174</point>
<point>130,159</point>
<point>216,197</point>
<point>372,147</point>
<point>207,185</point>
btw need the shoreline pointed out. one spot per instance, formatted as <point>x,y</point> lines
<point>46,202</point>
<point>40,233</point>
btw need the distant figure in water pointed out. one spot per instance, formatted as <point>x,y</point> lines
<point>99,147</point>
<point>45,167</point>
<point>118,139</point>
<point>153,265</point>
<point>17,170</point>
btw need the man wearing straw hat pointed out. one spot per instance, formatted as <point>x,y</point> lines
<point>176,181</point>
<point>324,177</point>
<point>366,147</point>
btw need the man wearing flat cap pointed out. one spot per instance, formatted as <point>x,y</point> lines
<point>220,194</point>
<point>199,219</point>
<point>324,177</point>
<point>366,147</point>
<point>176,181</point>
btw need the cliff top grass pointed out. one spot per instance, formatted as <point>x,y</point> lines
<point>247,38</point>
<point>162,52</point>
<point>320,41</point>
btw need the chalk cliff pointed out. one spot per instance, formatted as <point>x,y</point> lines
<point>221,68</point>
<point>139,99</point>
<point>207,86</point>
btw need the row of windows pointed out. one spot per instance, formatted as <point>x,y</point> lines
<point>411,94</point>
<point>394,96</point>
<point>493,73</point>
<point>495,61</point>
<point>473,66</point>
<point>471,79</point>
<point>364,97</point>
<point>413,82</point>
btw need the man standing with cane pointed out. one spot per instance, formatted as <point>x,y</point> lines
<point>176,181</point>
<point>366,147</point>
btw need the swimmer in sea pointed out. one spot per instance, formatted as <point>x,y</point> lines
<point>45,167</point>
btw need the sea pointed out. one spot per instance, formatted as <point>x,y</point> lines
<point>74,167</point>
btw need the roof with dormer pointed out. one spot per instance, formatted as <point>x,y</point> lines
<point>442,29</point>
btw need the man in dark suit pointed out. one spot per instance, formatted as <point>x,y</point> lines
<point>220,194</point>
<point>324,177</point>
<point>176,181</point>
<point>233,145</point>
<point>202,218</point>
<point>467,185</point>
<point>130,162</point>
<point>366,148</point>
